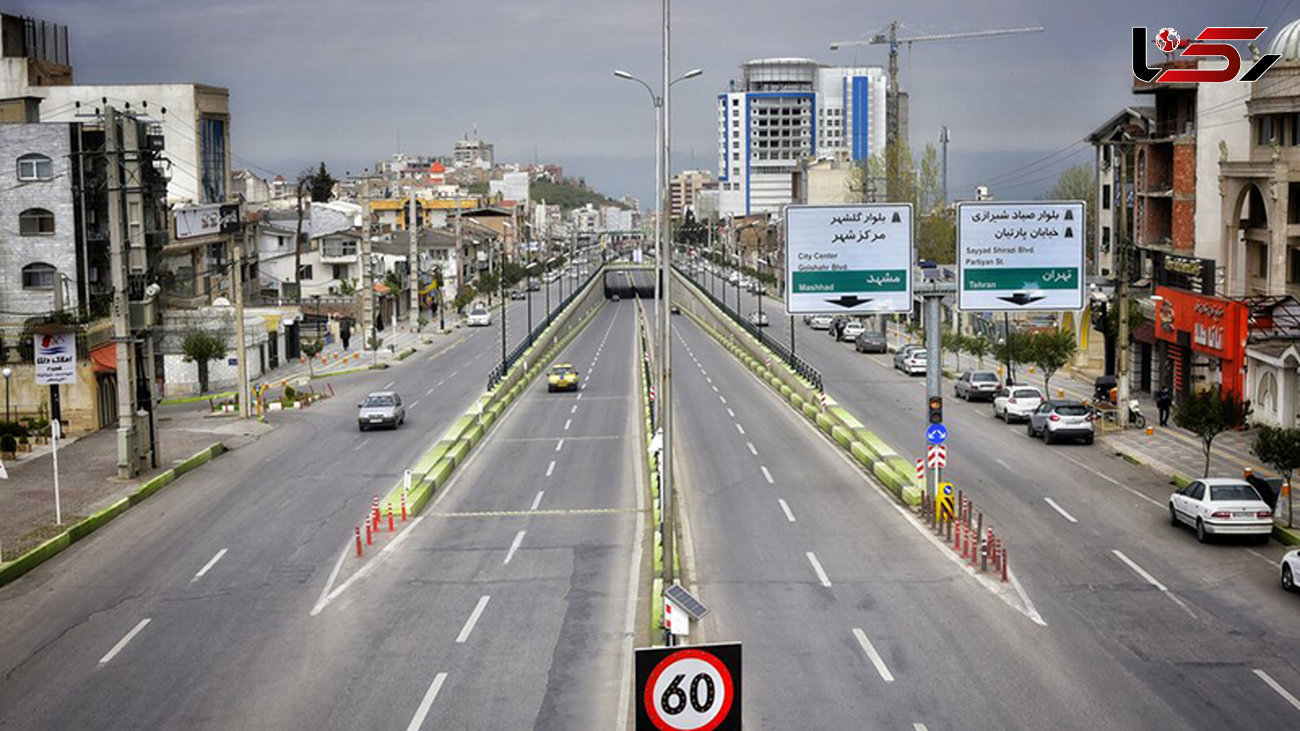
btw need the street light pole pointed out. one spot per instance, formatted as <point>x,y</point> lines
<point>8,373</point>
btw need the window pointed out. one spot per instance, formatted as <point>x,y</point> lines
<point>1105,196</point>
<point>340,271</point>
<point>1262,270</point>
<point>35,167</point>
<point>36,222</point>
<point>212,159</point>
<point>38,276</point>
<point>304,272</point>
<point>1294,256</point>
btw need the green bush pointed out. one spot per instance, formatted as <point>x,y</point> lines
<point>8,443</point>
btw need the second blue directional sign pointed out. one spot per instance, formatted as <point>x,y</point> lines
<point>936,434</point>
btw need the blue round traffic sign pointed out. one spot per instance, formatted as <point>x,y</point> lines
<point>936,434</point>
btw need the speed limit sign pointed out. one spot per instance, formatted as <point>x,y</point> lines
<point>693,688</point>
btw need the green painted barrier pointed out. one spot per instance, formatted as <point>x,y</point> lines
<point>823,422</point>
<point>785,391</point>
<point>473,435</point>
<point>810,411</point>
<point>158,482</point>
<point>912,495</point>
<point>861,454</point>
<point>888,478</point>
<point>431,457</point>
<point>1179,481</point>
<point>844,417</point>
<point>86,526</point>
<point>458,427</point>
<point>797,400</point>
<point>34,558</point>
<point>459,452</point>
<point>842,435</point>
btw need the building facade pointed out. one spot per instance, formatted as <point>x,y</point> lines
<point>784,110</point>
<point>38,220</point>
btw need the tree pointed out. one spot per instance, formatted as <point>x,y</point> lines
<point>1051,351</point>
<point>1078,183</point>
<point>463,298</point>
<point>311,349</point>
<point>915,181</point>
<point>322,185</point>
<point>202,347</point>
<point>487,283</point>
<point>953,341</point>
<point>978,346</point>
<point>1013,349</point>
<point>1209,413</point>
<point>1280,449</point>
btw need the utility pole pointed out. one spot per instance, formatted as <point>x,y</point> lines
<point>666,342</point>
<point>932,303</point>
<point>367,269</point>
<point>1121,252</point>
<point>413,270</point>
<point>137,265</point>
<point>943,145</point>
<point>460,280</point>
<point>127,462</point>
<point>241,347</point>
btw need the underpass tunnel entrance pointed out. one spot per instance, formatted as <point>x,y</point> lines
<point>627,283</point>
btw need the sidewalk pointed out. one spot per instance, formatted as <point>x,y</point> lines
<point>88,474</point>
<point>1169,450</point>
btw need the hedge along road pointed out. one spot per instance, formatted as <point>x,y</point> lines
<point>279,507</point>
<point>1085,591</point>
<point>501,602</point>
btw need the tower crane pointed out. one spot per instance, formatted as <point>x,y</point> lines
<point>891,99</point>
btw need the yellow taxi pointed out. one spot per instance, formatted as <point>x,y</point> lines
<point>563,377</point>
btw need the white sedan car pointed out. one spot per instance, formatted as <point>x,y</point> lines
<point>1290,568</point>
<point>820,322</point>
<point>852,329</point>
<point>1016,403</point>
<point>1221,506</point>
<point>479,317</point>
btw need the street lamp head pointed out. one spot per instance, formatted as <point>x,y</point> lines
<point>835,46</point>
<point>692,73</point>
<point>623,74</point>
<point>7,372</point>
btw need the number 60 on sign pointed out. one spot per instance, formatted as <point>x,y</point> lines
<point>688,688</point>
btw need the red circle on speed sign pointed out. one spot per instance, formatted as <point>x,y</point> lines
<point>690,690</point>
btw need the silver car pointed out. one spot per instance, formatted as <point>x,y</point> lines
<point>381,408</point>
<point>1057,420</point>
<point>976,384</point>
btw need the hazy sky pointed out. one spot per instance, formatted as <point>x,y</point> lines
<point>336,80</point>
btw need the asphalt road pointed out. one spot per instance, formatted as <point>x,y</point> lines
<point>1200,633</point>
<point>190,610</point>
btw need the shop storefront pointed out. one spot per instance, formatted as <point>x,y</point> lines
<point>1203,339</point>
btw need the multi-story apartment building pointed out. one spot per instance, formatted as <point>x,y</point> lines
<point>784,110</point>
<point>685,187</point>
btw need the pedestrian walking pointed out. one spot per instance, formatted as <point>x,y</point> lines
<point>345,332</point>
<point>1164,400</point>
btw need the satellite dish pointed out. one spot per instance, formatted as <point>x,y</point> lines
<point>221,302</point>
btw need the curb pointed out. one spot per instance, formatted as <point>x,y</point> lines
<point>84,527</point>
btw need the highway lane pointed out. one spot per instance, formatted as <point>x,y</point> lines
<point>277,512</point>
<point>1089,536</point>
<point>543,523</point>
<point>776,514</point>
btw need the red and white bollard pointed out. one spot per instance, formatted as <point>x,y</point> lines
<point>390,518</point>
<point>403,507</point>
<point>1004,564</point>
<point>358,532</point>
<point>369,534</point>
<point>374,514</point>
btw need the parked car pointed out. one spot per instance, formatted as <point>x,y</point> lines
<point>1290,568</point>
<point>562,377</point>
<point>1221,506</point>
<point>1061,419</point>
<point>852,329</point>
<point>981,385</point>
<point>675,310</point>
<point>757,318</point>
<point>381,408</point>
<point>517,294</point>
<point>870,341</point>
<point>820,322</point>
<point>911,359</point>
<point>479,317</point>
<point>1016,402</point>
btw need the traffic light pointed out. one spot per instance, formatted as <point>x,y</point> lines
<point>936,409</point>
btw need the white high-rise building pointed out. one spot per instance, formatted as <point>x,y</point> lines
<point>787,109</point>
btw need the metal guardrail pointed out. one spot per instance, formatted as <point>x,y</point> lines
<point>498,374</point>
<point>799,365</point>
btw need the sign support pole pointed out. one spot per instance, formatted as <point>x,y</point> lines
<point>933,370</point>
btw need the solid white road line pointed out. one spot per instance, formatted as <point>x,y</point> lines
<point>567,424</point>
<point>1112,481</point>
<point>752,449</point>
<point>872,655</point>
<point>1151,580</point>
<point>550,468</point>
<point>740,428</point>
<point>1060,510</point>
<point>208,566</point>
<point>767,475</point>
<point>559,445</point>
<point>519,538</point>
<point>473,619</point>
<point>537,500</point>
<point>122,642</point>
<point>786,508</point>
<point>817,566</point>
<point>418,720</point>
<point>1277,687</point>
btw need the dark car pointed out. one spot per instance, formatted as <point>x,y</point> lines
<point>870,341</point>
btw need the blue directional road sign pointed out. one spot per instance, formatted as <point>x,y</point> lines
<point>936,434</point>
